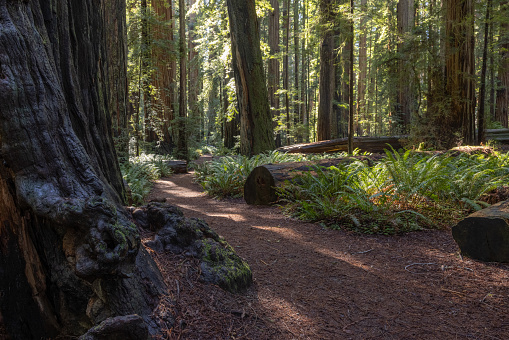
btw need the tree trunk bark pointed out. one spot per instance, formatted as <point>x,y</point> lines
<point>502,108</point>
<point>406,19</point>
<point>256,133</point>
<point>69,255</point>
<point>460,70</point>
<point>182,151</point>
<point>273,73</point>
<point>481,119</point>
<point>363,70</point>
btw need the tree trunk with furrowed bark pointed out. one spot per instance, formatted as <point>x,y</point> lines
<point>70,258</point>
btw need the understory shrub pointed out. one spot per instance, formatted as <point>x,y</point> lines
<point>403,192</point>
<point>141,171</point>
<point>225,176</point>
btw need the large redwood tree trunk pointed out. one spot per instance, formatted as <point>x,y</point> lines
<point>69,255</point>
<point>256,132</point>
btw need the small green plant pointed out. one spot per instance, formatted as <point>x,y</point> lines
<point>141,171</point>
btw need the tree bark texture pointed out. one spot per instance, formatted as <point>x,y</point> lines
<point>256,132</point>
<point>273,71</point>
<point>481,116</point>
<point>327,72</point>
<point>165,65</point>
<point>404,104</point>
<point>460,70</point>
<point>484,235</point>
<point>182,125</point>
<point>363,70</point>
<point>502,106</point>
<point>260,186</point>
<point>69,255</point>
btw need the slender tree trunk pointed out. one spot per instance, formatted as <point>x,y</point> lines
<point>182,151</point>
<point>351,82</point>
<point>481,119</point>
<point>460,70</point>
<point>502,108</point>
<point>69,255</point>
<point>404,103</point>
<point>363,69</point>
<point>195,114</point>
<point>303,89</point>
<point>296,45</point>
<point>273,73</point>
<point>256,133</point>
<point>327,73</point>
<point>165,66</point>
<point>286,65</point>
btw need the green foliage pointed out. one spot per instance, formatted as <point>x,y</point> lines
<point>404,192</point>
<point>140,172</point>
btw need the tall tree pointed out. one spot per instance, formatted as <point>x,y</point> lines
<point>256,133</point>
<point>182,151</point>
<point>273,69</point>
<point>459,70</point>
<point>327,70</point>
<point>404,103</point>
<point>69,256</point>
<point>482,90</point>
<point>286,65</point>
<point>363,68</point>
<point>502,108</point>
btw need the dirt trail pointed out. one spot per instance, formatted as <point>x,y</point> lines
<point>313,283</point>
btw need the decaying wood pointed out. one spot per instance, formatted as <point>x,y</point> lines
<point>177,167</point>
<point>260,186</point>
<point>370,144</point>
<point>484,235</point>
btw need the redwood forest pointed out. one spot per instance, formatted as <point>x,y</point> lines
<point>254,169</point>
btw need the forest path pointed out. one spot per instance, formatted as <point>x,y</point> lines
<point>314,283</point>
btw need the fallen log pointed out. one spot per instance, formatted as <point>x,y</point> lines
<point>484,235</point>
<point>499,135</point>
<point>369,144</point>
<point>178,167</point>
<point>260,185</point>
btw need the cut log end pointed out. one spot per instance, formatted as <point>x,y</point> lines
<point>259,187</point>
<point>484,235</point>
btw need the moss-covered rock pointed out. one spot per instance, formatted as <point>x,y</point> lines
<point>193,237</point>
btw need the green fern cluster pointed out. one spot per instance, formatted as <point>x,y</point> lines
<point>141,171</point>
<point>225,176</point>
<point>404,192</point>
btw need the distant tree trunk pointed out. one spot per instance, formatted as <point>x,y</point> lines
<point>165,66</point>
<point>351,83</point>
<point>69,255</point>
<point>502,109</point>
<point>327,73</point>
<point>273,73</point>
<point>195,114</point>
<point>182,152</point>
<point>296,106</point>
<point>460,71</point>
<point>256,133</point>
<point>363,70</point>
<point>286,65</point>
<point>303,89</point>
<point>481,118</point>
<point>404,103</point>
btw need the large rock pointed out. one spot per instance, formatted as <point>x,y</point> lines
<point>193,237</point>
<point>484,235</point>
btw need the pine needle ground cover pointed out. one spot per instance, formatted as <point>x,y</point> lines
<point>403,192</point>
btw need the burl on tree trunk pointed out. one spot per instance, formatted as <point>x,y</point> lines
<point>261,184</point>
<point>484,235</point>
<point>70,258</point>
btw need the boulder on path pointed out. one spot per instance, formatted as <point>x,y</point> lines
<point>219,263</point>
<point>484,235</point>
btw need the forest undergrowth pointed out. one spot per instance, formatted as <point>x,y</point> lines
<point>405,191</point>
